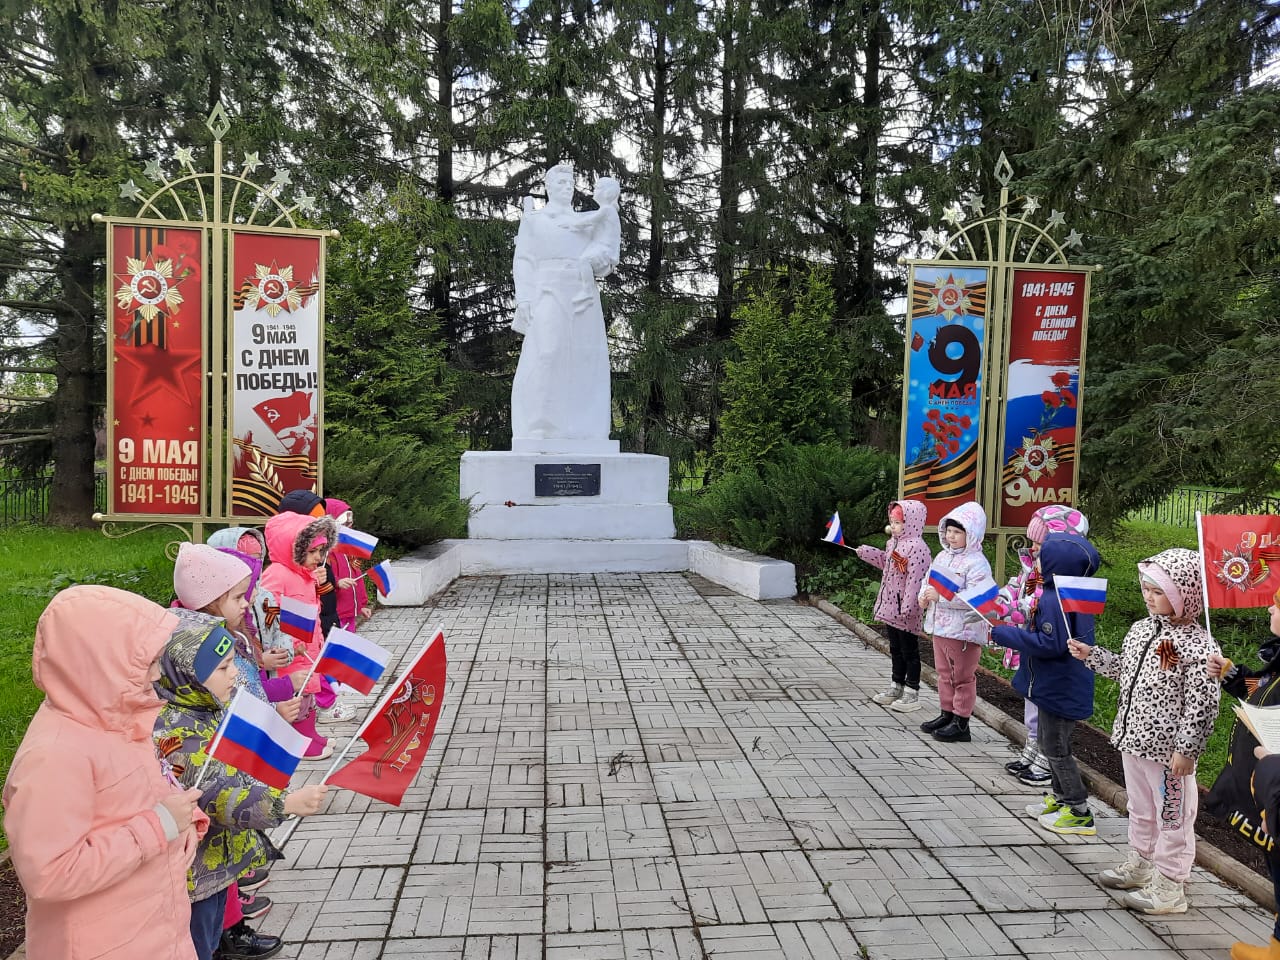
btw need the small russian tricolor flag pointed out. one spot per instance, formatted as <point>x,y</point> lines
<point>354,543</point>
<point>298,618</point>
<point>835,533</point>
<point>982,598</point>
<point>351,659</point>
<point>382,577</point>
<point>256,739</point>
<point>946,588</point>
<point>1081,594</point>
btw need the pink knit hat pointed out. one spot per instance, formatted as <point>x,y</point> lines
<point>202,574</point>
<point>1056,518</point>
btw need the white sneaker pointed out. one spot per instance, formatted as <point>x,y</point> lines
<point>335,714</point>
<point>1047,805</point>
<point>893,692</point>
<point>908,702</point>
<point>1160,895</point>
<point>1135,872</point>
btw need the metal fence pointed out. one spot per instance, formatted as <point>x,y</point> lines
<point>26,499</point>
<point>1179,508</point>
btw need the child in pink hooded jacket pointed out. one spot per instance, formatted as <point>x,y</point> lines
<point>298,545</point>
<point>905,561</point>
<point>353,596</point>
<point>101,840</point>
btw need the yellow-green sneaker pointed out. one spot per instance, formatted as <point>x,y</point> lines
<point>1067,821</point>
<point>1047,805</point>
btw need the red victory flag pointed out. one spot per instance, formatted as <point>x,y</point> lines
<point>398,730</point>
<point>1241,559</point>
<point>285,413</point>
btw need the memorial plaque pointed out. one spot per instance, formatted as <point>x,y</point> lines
<point>566,479</point>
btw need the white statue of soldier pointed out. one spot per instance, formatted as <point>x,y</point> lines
<point>561,388</point>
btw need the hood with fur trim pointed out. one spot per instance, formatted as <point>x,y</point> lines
<point>973,518</point>
<point>289,536</point>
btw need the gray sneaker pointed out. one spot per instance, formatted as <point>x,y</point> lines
<point>908,702</point>
<point>891,694</point>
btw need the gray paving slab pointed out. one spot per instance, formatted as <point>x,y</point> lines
<point>648,767</point>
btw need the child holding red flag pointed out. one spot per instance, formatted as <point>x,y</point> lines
<point>1060,686</point>
<point>958,637</point>
<point>904,561</point>
<point>1167,708</point>
<point>197,676</point>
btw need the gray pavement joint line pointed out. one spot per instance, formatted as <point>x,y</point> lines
<point>546,755</point>
<point>693,916</point>
<point>794,836</point>
<point>1220,864</point>
<point>428,623</point>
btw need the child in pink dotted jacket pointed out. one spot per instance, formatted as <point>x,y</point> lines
<point>904,561</point>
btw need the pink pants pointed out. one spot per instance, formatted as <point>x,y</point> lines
<point>957,666</point>
<point>1162,815</point>
<point>234,912</point>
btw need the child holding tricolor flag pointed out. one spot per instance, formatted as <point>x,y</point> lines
<point>299,544</point>
<point>1060,686</point>
<point>1166,711</point>
<point>197,677</point>
<point>346,560</point>
<point>958,637</point>
<point>904,561</point>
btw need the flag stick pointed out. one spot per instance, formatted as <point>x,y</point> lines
<point>217,738</point>
<point>1204,575</point>
<point>314,663</point>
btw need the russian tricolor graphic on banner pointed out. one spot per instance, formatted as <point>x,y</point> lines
<point>835,533</point>
<point>382,577</point>
<point>1081,594</point>
<point>256,739</point>
<point>297,618</point>
<point>982,597</point>
<point>351,659</point>
<point>946,588</point>
<point>354,543</point>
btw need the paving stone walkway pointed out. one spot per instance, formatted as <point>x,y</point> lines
<point>647,767</point>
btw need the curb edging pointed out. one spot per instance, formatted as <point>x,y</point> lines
<point>1220,864</point>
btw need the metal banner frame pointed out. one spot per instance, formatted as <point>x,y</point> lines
<point>217,204</point>
<point>1002,242</point>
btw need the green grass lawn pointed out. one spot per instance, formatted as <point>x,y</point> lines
<point>1238,632</point>
<point>35,563</point>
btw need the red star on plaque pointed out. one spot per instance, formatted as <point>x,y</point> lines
<point>272,289</point>
<point>158,369</point>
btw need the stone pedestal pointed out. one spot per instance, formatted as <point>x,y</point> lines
<point>631,502</point>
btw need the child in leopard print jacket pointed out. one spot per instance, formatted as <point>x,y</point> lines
<point>1166,711</point>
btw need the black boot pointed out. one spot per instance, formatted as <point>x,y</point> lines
<point>937,723</point>
<point>242,943</point>
<point>955,731</point>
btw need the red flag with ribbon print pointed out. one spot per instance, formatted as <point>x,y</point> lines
<point>1241,559</point>
<point>398,730</point>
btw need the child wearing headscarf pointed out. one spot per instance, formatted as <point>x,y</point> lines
<point>1166,711</point>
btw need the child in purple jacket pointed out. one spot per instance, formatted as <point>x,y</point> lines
<point>904,561</point>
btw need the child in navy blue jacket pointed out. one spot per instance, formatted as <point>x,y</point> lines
<point>1059,685</point>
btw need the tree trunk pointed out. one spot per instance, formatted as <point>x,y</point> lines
<point>443,266</point>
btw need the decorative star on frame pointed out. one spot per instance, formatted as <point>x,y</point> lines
<point>1056,219</point>
<point>281,180</point>
<point>184,156</point>
<point>130,190</point>
<point>1074,239</point>
<point>976,204</point>
<point>152,170</point>
<point>251,162</point>
<point>954,214</point>
<point>1030,205</point>
<point>305,203</point>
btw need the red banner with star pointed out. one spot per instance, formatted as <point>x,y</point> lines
<point>274,368</point>
<point>1047,311</point>
<point>155,380</point>
<point>1241,559</point>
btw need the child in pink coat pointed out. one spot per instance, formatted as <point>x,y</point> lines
<point>905,561</point>
<point>101,840</point>
<point>298,545</point>
<point>353,596</point>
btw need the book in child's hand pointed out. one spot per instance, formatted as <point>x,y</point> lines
<point>1263,723</point>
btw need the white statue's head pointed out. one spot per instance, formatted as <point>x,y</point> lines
<point>607,190</point>
<point>560,182</point>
